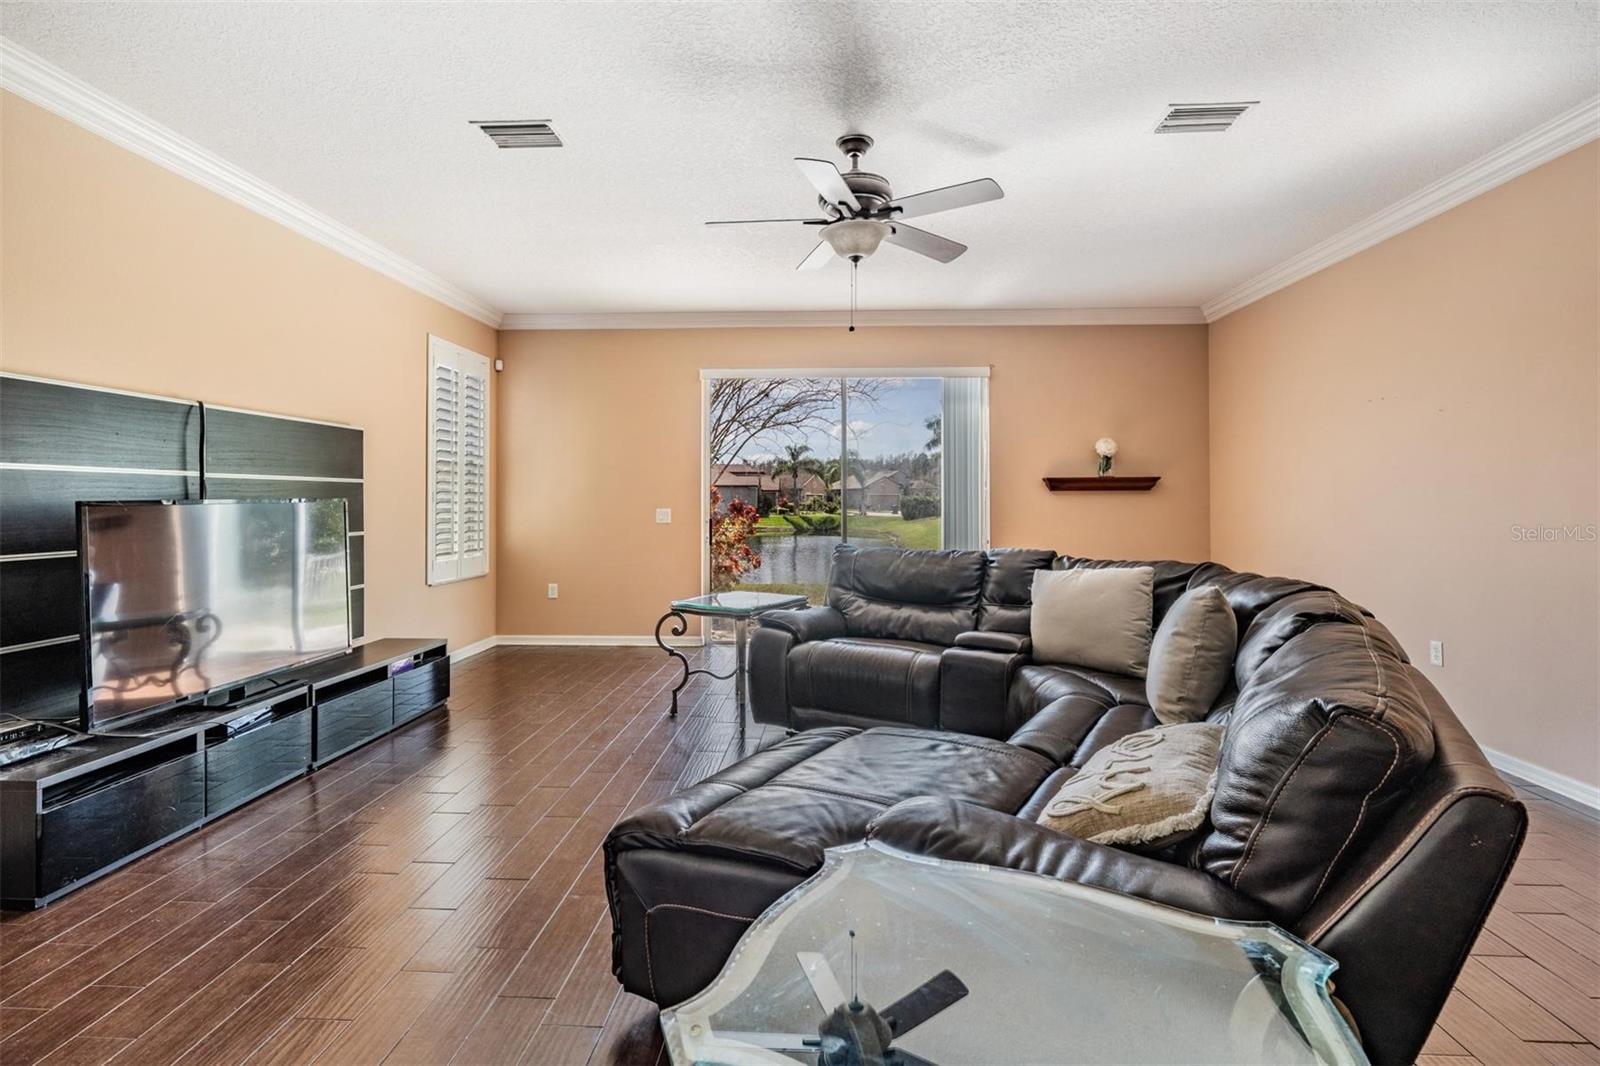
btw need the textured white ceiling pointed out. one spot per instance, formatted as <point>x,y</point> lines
<point>674,114</point>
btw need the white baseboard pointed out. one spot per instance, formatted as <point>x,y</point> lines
<point>563,640</point>
<point>1571,788</point>
<point>474,648</point>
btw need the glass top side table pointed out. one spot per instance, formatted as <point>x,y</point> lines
<point>740,607</point>
<point>976,964</point>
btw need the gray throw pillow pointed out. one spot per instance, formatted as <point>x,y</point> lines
<point>1098,618</point>
<point>1191,657</point>
<point>1145,792</point>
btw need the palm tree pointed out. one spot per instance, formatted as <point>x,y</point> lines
<point>935,427</point>
<point>795,463</point>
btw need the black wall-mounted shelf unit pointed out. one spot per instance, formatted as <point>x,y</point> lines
<point>79,812</point>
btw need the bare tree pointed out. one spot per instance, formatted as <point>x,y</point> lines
<point>746,409</point>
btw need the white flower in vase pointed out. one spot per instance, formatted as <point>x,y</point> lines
<point>1105,448</point>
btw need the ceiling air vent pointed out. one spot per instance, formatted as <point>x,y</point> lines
<point>528,133</point>
<point>1202,118</point>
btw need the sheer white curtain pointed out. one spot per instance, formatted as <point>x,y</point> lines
<point>966,462</point>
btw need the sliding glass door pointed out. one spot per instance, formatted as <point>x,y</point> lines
<point>797,464</point>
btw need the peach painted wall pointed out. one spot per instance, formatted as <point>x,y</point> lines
<point>116,272</point>
<point>1388,426</point>
<point>598,429</point>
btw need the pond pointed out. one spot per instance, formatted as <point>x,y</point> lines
<point>798,560</point>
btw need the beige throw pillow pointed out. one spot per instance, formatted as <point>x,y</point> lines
<point>1191,657</point>
<point>1097,618</point>
<point>1144,792</point>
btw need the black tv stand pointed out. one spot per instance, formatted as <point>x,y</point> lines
<point>74,814</point>
<point>248,690</point>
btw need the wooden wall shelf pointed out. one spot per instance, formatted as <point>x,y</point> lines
<point>1109,483</point>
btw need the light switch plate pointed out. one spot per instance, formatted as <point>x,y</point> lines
<point>663,515</point>
<point>553,591</point>
<point>1436,652</point>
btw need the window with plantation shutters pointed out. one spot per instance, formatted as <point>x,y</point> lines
<point>458,462</point>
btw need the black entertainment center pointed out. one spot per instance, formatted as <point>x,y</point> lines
<point>182,584</point>
<point>74,814</point>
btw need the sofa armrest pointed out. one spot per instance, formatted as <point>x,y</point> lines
<point>1055,732</point>
<point>767,667</point>
<point>993,640</point>
<point>807,623</point>
<point>974,689</point>
<point>964,832</point>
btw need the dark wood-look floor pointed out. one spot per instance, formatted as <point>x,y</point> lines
<point>437,897</point>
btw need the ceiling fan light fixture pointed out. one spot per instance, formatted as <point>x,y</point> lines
<point>855,238</point>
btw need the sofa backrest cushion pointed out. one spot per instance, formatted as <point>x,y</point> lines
<point>1328,730</point>
<point>928,596</point>
<point>1008,587</point>
<point>1250,595</point>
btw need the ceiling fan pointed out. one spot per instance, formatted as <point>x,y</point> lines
<point>860,212</point>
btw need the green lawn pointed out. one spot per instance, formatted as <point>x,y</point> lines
<point>917,533</point>
<point>815,593</point>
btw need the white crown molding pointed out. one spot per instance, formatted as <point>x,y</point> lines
<point>1096,316</point>
<point>1580,792</point>
<point>1571,129</point>
<point>52,88</point>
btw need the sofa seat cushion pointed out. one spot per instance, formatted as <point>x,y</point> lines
<point>866,678</point>
<point>687,874</point>
<point>815,790</point>
<point>1037,685</point>
<point>829,798</point>
<point>1123,720</point>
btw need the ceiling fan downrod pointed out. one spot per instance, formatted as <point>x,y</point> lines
<point>854,146</point>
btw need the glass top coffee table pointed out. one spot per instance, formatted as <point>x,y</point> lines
<point>738,606</point>
<point>954,963</point>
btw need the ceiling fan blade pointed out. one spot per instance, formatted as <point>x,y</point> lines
<point>749,221</point>
<point>818,258</point>
<point>824,985</point>
<point>948,198</point>
<point>828,182</point>
<point>924,243</point>
<point>936,994</point>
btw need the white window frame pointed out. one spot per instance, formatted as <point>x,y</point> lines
<point>711,374</point>
<point>458,565</point>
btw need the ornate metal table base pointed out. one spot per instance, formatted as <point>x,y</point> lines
<point>738,607</point>
<point>679,630</point>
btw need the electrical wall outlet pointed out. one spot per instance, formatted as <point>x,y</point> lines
<point>553,590</point>
<point>663,515</point>
<point>1436,652</point>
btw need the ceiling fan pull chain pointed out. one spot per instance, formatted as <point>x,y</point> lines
<point>854,263</point>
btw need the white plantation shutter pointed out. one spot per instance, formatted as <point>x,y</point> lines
<point>458,462</point>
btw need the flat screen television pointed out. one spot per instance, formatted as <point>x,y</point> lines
<point>186,599</point>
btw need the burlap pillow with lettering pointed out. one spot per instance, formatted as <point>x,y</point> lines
<point>1144,792</point>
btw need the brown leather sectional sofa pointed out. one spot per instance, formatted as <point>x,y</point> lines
<point>1352,808</point>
